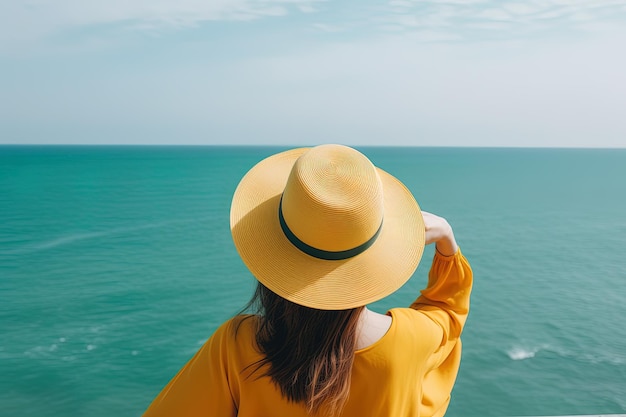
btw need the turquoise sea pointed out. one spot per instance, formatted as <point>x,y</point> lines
<point>116,264</point>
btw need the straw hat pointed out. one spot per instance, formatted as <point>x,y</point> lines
<point>324,228</point>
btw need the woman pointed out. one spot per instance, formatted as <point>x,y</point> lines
<point>325,233</point>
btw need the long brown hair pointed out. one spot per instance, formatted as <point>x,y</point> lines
<point>309,352</point>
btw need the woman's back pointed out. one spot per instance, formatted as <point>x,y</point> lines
<point>409,371</point>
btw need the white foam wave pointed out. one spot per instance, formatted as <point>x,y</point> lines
<point>49,244</point>
<point>519,353</point>
<point>66,240</point>
<point>76,237</point>
<point>41,351</point>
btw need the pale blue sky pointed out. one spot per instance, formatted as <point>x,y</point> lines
<point>291,72</point>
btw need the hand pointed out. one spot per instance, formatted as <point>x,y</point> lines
<point>439,231</point>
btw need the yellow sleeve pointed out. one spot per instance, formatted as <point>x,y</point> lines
<point>201,388</point>
<point>445,301</point>
<point>446,298</point>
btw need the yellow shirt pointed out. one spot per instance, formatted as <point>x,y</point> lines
<point>410,371</point>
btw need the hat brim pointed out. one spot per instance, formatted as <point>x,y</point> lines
<point>322,284</point>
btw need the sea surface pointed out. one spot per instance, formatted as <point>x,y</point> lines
<point>116,264</point>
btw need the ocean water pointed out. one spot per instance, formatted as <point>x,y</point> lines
<point>116,264</point>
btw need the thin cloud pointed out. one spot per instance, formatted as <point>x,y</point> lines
<point>307,8</point>
<point>464,18</point>
<point>36,19</point>
<point>23,21</point>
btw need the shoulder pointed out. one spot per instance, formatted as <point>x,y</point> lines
<point>416,325</point>
<point>234,340</point>
<point>240,326</point>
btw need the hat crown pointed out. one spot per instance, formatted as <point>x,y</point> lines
<point>333,199</point>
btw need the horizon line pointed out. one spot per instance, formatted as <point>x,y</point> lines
<point>275,145</point>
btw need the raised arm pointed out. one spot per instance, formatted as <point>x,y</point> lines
<point>446,297</point>
<point>445,300</point>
